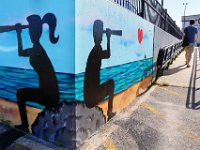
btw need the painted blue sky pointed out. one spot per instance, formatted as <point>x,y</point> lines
<point>16,11</point>
<point>125,48</point>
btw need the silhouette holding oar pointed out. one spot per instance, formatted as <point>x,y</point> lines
<point>47,94</point>
<point>94,92</point>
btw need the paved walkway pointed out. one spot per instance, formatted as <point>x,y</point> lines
<point>179,75</point>
<point>164,118</point>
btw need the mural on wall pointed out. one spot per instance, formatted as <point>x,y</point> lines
<point>105,80</point>
<point>10,15</point>
<point>16,71</point>
<point>37,70</point>
<point>129,63</point>
<point>47,94</point>
<point>94,92</point>
<point>84,83</point>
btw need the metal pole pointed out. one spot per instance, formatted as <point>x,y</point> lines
<point>165,19</point>
<point>185,4</point>
<point>143,9</point>
<point>162,3</point>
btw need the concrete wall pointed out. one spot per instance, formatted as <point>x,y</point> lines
<point>130,57</point>
<point>73,84</point>
<point>161,39</point>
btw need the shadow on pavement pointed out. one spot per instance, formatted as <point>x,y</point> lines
<point>191,101</point>
<point>197,78</point>
<point>174,70</point>
<point>197,89</point>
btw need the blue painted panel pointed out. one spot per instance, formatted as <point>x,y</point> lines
<point>124,49</point>
<point>61,54</point>
<point>124,76</point>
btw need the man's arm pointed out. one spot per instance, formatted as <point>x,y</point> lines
<point>106,53</point>
<point>21,52</point>
<point>196,36</point>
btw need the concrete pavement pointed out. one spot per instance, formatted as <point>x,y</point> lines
<point>179,75</point>
<point>166,117</point>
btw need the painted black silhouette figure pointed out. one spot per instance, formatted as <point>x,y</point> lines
<point>47,94</point>
<point>94,92</point>
<point>9,28</point>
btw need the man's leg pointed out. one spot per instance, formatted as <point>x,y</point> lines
<point>107,89</point>
<point>22,96</point>
<point>110,92</point>
<point>186,55</point>
<point>22,108</point>
<point>98,93</point>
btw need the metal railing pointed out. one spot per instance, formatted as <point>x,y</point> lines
<point>154,12</point>
<point>132,5</point>
<point>166,56</point>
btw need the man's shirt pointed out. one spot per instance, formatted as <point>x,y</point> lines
<point>191,32</point>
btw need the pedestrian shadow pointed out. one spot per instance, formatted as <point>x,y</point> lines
<point>191,101</point>
<point>196,105</point>
<point>174,70</point>
<point>197,89</point>
<point>197,78</point>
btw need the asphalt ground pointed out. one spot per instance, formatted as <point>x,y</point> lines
<point>166,117</point>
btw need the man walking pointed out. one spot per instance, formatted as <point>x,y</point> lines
<point>192,34</point>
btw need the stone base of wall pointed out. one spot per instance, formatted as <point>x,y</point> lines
<point>21,140</point>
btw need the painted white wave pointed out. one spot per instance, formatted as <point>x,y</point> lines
<point>8,48</point>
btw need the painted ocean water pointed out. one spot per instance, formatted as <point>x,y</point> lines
<point>124,76</point>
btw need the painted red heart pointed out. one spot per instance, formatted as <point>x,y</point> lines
<point>140,35</point>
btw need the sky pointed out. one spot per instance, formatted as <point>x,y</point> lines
<point>175,9</point>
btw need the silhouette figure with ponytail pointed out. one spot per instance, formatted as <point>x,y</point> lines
<point>47,94</point>
<point>94,92</point>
